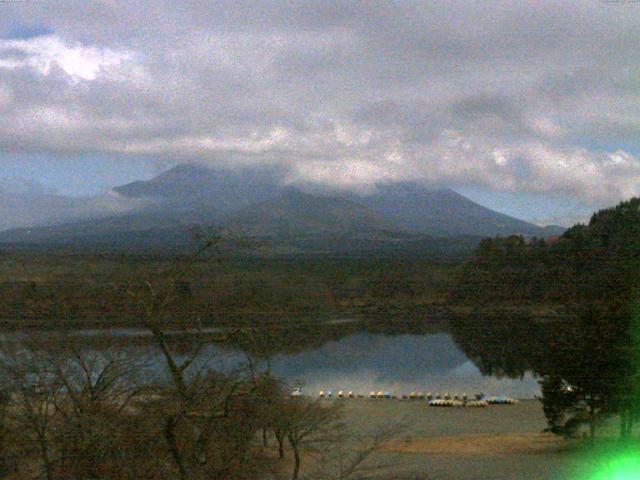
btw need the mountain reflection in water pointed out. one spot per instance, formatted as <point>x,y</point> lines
<point>350,356</point>
<point>363,361</point>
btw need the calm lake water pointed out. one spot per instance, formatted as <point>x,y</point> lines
<point>361,362</point>
<point>402,363</point>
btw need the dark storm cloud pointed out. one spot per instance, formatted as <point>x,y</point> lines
<point>505,95</point>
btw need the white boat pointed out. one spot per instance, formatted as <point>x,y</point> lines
<point>476,404</point>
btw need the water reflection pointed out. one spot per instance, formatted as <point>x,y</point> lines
<point>364,361</point>
<point>361,357</point>
<point>403,363</point>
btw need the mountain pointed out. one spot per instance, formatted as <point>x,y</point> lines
<point>293,222</point>
<point>189,187</point>
<point>254,202</point>
<point>294,213</point>
<point>443,212</point>
<point>407,206</point>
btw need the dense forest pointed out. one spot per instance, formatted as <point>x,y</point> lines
<point>598,261</point>
<point>588,356</point>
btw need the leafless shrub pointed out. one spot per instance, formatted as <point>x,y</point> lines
<point>350,456</point>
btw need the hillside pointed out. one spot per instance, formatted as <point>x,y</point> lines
<point>595,262</point>
<point>296,213</point>
<point>254,202</point>
<point>27,209</point>
<point>444,212</point>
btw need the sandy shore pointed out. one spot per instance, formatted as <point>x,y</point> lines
<point>497,442</point>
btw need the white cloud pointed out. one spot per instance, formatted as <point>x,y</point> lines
<point>344,173</point>
<point>546,127</point>
<point>78,62</point>
<point>338,92</point>
<point>500,158</point>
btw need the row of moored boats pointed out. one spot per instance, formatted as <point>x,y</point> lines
<point>435,400</point>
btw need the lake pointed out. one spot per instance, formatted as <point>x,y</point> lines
<point>358,361</point>
<point>363,362</point>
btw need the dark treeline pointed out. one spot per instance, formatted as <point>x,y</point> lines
<point>56,291</point>
<point>267,336</point>
<point>587,361</point>
<point>588,356</point>
<point>595,262</point>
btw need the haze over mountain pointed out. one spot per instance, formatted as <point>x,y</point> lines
<point>189,186</point>
<point>404,206</point>
<point>253,202</point>
<point>26,204</point>
<point>443,212</point>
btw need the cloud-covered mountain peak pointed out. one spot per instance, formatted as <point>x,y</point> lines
<point>254,201</point>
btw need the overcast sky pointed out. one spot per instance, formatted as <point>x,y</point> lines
<point>531,107</point>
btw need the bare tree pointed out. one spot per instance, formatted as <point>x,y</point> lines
<point>91,415</point>
<point>151,303</point>
<point>99,385</point>
<point>34,392</point>
<point>198,404</point>
<point>349,455</point>
<point>69,402</point>
<point>304,423</point>
<point>257,345</point>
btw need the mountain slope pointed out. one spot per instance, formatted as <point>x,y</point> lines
<point>253,202</point>
<point>443,213</point>
<point>290,216</point>
<point>190,187</point>
<point>297,213</point>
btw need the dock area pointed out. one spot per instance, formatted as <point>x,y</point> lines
<point>478,400</point>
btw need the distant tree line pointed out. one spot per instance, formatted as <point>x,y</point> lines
<point>595,262</point>
<point>85,291</point>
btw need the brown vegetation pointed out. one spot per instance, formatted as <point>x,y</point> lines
<point>74,412</point>
<point>480,444</point>
<point>69,410</point>
<point>56,291</point>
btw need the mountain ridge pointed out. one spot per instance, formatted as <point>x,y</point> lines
<point>256,203</point>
